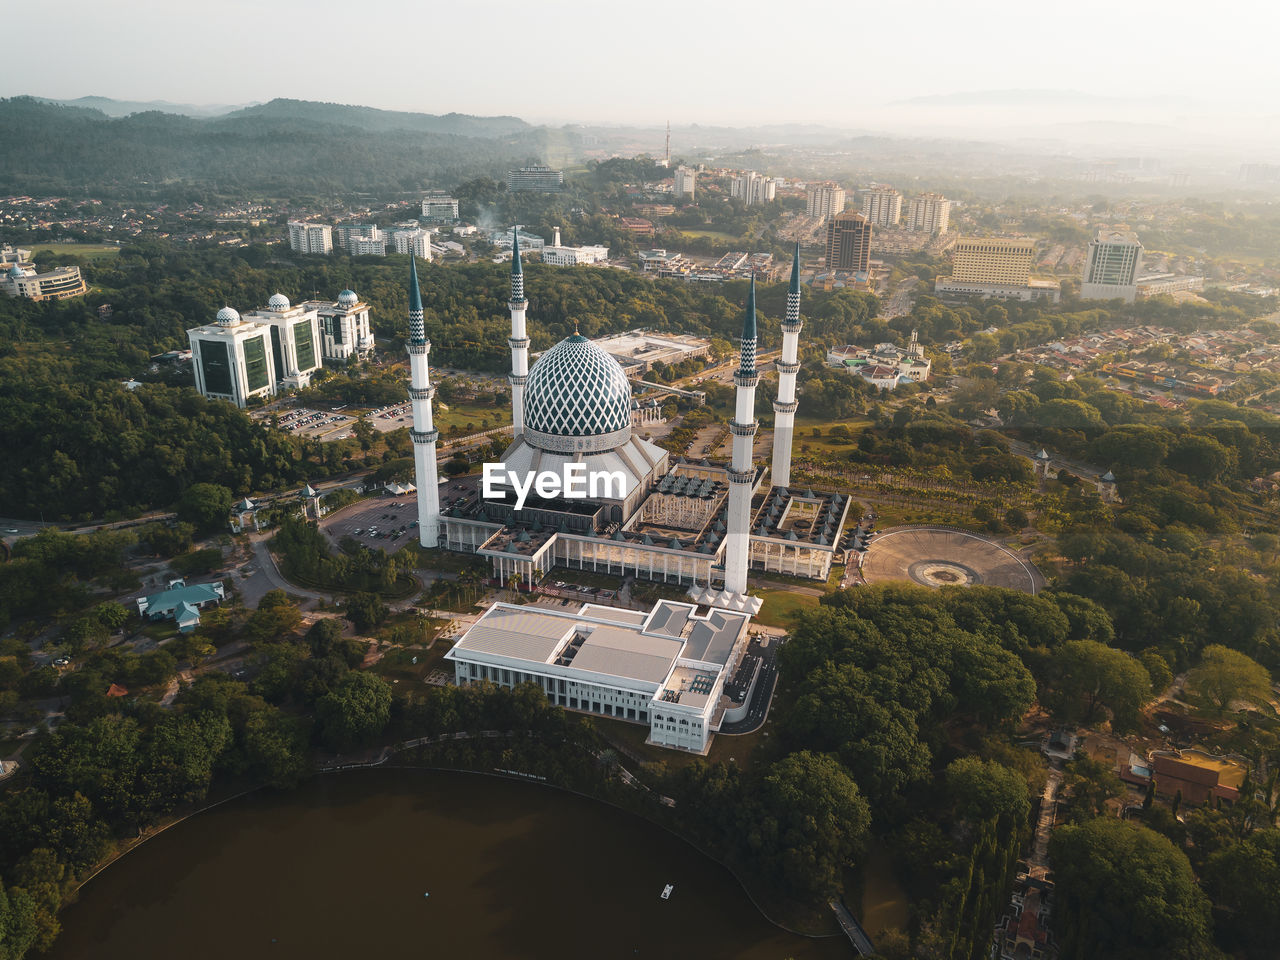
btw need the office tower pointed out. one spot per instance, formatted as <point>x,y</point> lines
<point>1111,265</point>
<point>536,179</point>
<point>849,242</point>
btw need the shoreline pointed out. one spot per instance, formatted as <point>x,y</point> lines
<point>388,762</point>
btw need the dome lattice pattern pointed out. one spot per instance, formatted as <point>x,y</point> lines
<point>577,393</point>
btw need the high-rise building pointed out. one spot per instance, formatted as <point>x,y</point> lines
<point>685,182</point>
<point>882,206</point>
<point>295,347</point>
<point>992,267</point>
<point>929,213</point>
<point>439,207</point>
<point>1111,265</point>
<point>824,200</point>
<point>991,260</point>
<point>232,358</point>
<point>345,331</point>
<point>536,179</point>
<point>370,244</point>
<point>752,188</point>
<point>849,242</point>
<point>414,240</point>
<point>344,233</point>
<point>310,237</point>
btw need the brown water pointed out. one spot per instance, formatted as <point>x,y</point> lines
<point>339,869</point>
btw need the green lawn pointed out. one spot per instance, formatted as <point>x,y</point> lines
<point>781,606</point>
<point>90,251</point>
<point>711,235</point>
<point>460,414</point>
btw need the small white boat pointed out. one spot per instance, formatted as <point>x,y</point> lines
<point>666,891</point>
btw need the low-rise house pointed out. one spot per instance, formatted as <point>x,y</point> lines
<point>181,603</point>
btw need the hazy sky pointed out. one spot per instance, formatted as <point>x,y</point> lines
<point>690,61</point>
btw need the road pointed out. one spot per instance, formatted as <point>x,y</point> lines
<point>898,304</point>
<point>761,698</point>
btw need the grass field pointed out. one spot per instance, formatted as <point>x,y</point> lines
<point>460,414</point>
<point>712,235</point>
<point>90,251</point>
<point>780,606</point>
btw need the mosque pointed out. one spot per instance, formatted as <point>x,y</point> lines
<point>682,668</point>
<point>701,525</point>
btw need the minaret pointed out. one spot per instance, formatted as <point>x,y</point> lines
<point>424,434</point>
<point>518,341</point>
<point>741,472</point>
<point>784,408</point>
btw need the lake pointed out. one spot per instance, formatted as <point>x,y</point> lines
<point>409,863</point>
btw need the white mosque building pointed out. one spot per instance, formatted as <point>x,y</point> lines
<point>701,525</point>
<point>673,520</point>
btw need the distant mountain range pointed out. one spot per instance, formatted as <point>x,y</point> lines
<point>373,119</point>
<point>283,148</point>
<point>122,108</point>
<point>363,118</point>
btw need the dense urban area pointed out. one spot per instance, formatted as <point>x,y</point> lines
<point>1004,677</point>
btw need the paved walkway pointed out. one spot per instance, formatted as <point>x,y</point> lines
<point>267,576</point>
<point>1039,859</point>
<point>852,929</point>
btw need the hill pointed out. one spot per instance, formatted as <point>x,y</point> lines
<point>284,148</point>
<point>380,121</point>
<point>122,108</point>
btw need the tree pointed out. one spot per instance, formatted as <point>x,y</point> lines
<point>111,615</point>
<point>205,505</point>
<point>18,927</point>
<point>364,433</point>
<point>276,618</point>
<point>1092,784</point>
<point>1245,877</point>
<point>1087,675</point>
<point>366,610</point>
<point>1158,668</point>
<point>981,789</point>
<point>1124,891</point>
<point>816,820</point>
<point>354,712</point>
<point>1226,675</point>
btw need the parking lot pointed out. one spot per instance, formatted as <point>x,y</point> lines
<point>383,523</point>
<point>320,424</point>
<point>391,418</point>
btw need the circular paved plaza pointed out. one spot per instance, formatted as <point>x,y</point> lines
<point>942,557</point>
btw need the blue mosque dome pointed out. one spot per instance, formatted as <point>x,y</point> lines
<point>577,390</point>
<point>15,272</point>
<point>347,298</point>
<point>278,302</point>
<point>228,316</point>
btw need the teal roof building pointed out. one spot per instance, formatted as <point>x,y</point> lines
<point>181,603</point>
